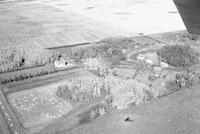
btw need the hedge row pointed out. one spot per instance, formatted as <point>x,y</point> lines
<point>178,55</point>
<point>23,76</point>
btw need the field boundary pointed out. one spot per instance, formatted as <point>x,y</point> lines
<point>56,76</point>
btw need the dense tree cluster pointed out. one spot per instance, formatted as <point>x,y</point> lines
<point>95,112</point>
<point>178,55</point>
<point>16,58</point>
<point>82,91</point>
<point>193,37</point>
<point>110,52</point>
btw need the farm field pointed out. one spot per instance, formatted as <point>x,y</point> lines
<point>38,25</point>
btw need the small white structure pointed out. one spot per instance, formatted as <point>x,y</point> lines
<point>61,63</point>
<point>150,58</point>
<point>140,57</point>
<point>164,65</point>
<point>157,69</point>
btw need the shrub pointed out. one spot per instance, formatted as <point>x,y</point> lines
<point>186,80</point>
<point>189,78</point>
<point>193,37</point>
<point>121,92</point>
<point>97,66</point>
<point>82,90</point>
<point>178,55</point>
<point>129,92</point>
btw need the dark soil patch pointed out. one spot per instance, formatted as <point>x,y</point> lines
<point>173,12</point>
<point>89,7</point>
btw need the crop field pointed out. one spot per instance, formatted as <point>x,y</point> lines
<point>16,29</point>
<point>42,26</point>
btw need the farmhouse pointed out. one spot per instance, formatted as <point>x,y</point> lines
<point>63,63</point>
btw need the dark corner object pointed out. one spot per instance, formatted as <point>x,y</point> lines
<point>190,14</point>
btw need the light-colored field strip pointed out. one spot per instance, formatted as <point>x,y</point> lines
<point>61,41</point>
<point>69,39</point>
<point>50,41</point>
<point>37,44</point>
<point>78,37</point>
<point>6,1</point>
